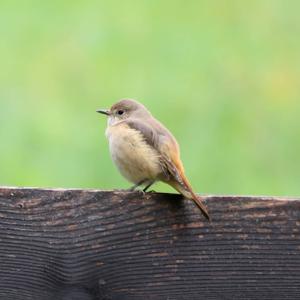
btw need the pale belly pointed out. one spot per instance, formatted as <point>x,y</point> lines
<point>135,159</point>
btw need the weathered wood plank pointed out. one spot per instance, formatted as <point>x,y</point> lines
<point>83,244</point>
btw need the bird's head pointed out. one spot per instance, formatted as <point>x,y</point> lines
<point>124,109</point>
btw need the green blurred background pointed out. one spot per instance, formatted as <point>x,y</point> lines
<point>224,76</point>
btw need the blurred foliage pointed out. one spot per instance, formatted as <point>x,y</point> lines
<point>223,76</point>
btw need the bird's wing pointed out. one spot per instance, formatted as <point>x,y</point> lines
<point>163,141</point>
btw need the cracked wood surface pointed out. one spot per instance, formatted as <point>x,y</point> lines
<point>88,244</point>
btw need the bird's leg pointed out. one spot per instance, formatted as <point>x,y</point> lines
<point>147,186</point>
<point>137,185</point>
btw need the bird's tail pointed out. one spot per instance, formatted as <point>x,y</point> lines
<point>186,190</point>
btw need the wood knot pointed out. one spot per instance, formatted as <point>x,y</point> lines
<point>20,205</point>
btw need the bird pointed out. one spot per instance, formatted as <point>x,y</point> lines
<point>144,150</point>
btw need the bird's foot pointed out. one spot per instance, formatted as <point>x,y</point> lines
<point>141,192</point>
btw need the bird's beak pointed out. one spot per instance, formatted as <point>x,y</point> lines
<point>103,111</point>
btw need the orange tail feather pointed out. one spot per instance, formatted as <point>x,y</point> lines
<point>187,191</point>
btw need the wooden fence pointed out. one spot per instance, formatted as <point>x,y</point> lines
<point>87,244</point>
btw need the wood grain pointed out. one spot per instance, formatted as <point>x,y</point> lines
<point>85,244</point>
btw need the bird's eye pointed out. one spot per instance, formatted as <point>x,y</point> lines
<point>120,112</point>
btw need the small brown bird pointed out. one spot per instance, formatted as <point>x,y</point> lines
<point>144,150</point>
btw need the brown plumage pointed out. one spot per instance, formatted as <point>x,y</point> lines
<point>144,150</point>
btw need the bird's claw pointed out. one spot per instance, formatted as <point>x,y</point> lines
<point>141,192</point>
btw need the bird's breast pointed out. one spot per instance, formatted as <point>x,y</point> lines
<point>134,157</point>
